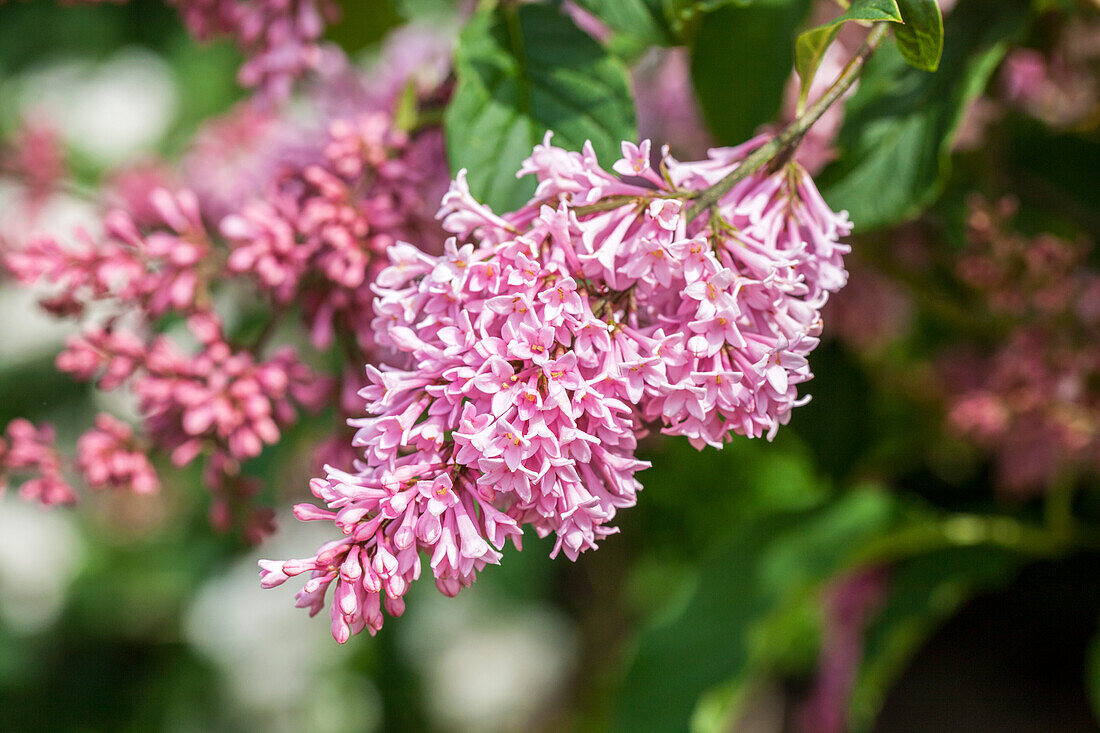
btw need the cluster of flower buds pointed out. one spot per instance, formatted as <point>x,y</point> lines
<point>319,235</point>
<point>35,157</point>
<point>219,398</point>
<point>315,205</point>
<point>537,348</point>
<point>30,452</point>
<point>110,457</point>
<point>1033,402</point>
<point>1057,84</point>
<point>281,39</point>
<point>156,271</point>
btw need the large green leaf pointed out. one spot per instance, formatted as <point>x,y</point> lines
<point>924,592</point>
<point>642,19</point>
<point>811,46</point>
<point>523,70</point>
<point>762,571</point>
<point>684,16</point>
<point>899,126</point>
<point>920,39</point>
<point>740,63</point>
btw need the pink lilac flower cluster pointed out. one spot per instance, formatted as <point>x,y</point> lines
<point>281,39</point>
<point>155,270</point>
<point>319,235</point>
<point>218,399</point>
<point>535,350</point>
<point>110,457</point>
<point>235,158</point>
<point>304,232</point>
<point>1033,401</point>
<point>1058,84</point>
<point>30,451</point>
<point>36,158</point>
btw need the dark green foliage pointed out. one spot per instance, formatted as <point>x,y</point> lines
<point>522,71</point>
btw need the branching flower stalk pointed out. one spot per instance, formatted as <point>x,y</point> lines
<point>789,137</point>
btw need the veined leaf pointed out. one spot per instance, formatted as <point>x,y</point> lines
<point>740,63</point>
<point>709,639</point>
<point>643,20</point>
<point>811,46</point>
<point>900,124</point>
<point>920,39</point>
<point>522,71</point>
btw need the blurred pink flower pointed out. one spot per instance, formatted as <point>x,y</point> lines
<point>31,452</point>
<point>109,457</point>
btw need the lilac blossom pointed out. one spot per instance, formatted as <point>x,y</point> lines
<point>539,346</point>
<point>30,451</point>
<point>108,456</point>
<point>294,211</point>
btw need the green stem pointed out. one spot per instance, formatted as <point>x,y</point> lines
<point>1058,503</point>
<point>976,530</point>
<point>607,204</point>
<point>792,133</point>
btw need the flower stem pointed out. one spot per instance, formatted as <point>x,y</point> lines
<point>976,530</point>
<point>1058,503</point>
<point>792,133</point>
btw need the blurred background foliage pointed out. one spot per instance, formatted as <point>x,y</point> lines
<point>870,547</point>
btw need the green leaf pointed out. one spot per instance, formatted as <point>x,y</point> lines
<point>740,63</point>
<point>363,23</point>
<point>713,635</point>
<point>405,115</point>
<point>920,39</point>
<point>811,46</point>
<point>643,20</point>
<point>430,10</point>
<point>522,71</point>
<point>899,126</point>
<point>923,593</point>
<point>684,16</point>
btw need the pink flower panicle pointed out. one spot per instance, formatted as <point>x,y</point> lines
<point>1032,402</point>
<point>281,39</point>
<point>299,218</point>
<point>534,351</point>
<point>216,398</point>
<point>110,457</point>
<point>319,235</point>
<point>219,399</point>
<point>156,271</point>
<point>36,157</point>
<point>31,452</point>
